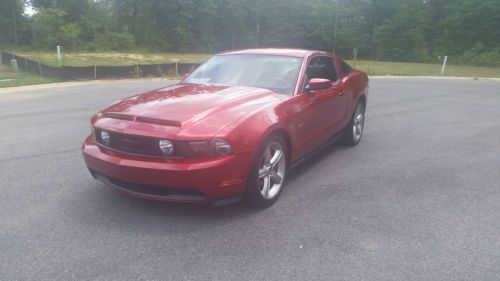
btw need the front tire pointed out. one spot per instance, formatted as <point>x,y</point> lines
<point>268,173</point>
<point>354,130</point>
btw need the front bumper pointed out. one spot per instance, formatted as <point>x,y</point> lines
<point>203,181</point>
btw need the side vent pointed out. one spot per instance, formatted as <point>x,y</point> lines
<point>158,121</point>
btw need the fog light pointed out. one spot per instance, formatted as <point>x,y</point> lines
<point>166,147</point>
<point>105,138</point>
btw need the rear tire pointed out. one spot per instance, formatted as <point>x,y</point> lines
<point>268,173</point>
<point>354,130</point>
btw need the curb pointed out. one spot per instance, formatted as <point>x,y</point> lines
<point>93,82</point>
<point>434,77</point>
<point>73,84</point>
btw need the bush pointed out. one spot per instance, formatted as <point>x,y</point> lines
<point>114,41</point>
<point>478,56</point>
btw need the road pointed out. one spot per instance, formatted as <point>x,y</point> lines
<point>417,199</point>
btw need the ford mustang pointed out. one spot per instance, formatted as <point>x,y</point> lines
<point>230,130</point>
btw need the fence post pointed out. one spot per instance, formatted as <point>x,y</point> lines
<point>13,65</point>
<point>40,68</point>
<point>95,71</point>
<point>176,68</point>
<point>25,64</point>
<point>444,65</point>
<point>137,71</point>
<point>355,57</point>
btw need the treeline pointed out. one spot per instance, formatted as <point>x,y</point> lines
<point>400,30</point>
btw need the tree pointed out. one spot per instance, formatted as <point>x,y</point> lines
<point>408,30</point>
<point>11,16</point>
<point>47,27</point>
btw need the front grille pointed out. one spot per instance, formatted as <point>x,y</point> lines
<point>131,143</point>
<point>134,144</point>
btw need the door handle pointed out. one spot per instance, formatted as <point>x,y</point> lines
<point>341,93</point>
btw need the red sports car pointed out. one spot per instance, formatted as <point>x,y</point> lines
<point>230,130</point>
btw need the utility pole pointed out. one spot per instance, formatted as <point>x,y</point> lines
<point>234,39</point>
<point>258,22</point>
<point>14,13</point>
<point>335,25</point>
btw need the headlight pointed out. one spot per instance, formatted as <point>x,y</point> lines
<point>210,148</point>
<point>222,147</point>
<point>105,138</point>
<point>166,147</point>
<point>202,148</point>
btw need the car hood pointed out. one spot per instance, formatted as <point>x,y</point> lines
<point>184,110</point>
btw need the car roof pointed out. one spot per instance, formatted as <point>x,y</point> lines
<point>275,51</point>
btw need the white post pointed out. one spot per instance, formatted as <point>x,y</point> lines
<point>176,68</point>
<point>355,51</point>
<point>59,54</point>
<point>444,65</point>
<point>13,64</point>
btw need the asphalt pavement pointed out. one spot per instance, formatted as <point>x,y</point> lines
<point>417,199</point>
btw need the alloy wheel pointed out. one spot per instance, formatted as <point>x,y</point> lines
<point>359,121</point>
<point>272,170</point>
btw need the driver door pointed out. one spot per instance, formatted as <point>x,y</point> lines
<point>318,120</point>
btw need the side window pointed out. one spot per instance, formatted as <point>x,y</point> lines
<point>321,67</point>
<point>345,67</point>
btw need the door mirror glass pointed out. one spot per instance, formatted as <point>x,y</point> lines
<point>317,84</point>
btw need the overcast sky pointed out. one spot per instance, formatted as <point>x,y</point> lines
<point>29,10</point>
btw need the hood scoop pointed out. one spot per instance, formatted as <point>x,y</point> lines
<point>158,121</point>
<point>149,120</point>
<point>119,116</point>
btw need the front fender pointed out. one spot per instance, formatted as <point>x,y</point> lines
<point>249,132</point>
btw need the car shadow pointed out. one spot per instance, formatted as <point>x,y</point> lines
<point>95,205</point>
<point>313,159</point>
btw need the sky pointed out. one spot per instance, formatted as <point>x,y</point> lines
<point>29,10</point>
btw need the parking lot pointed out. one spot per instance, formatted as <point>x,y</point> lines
<point>417,199</point>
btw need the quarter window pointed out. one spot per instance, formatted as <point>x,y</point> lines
<point>346,68</point>
<point>321,67</point>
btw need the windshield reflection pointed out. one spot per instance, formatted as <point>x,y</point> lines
<point>276,73</point>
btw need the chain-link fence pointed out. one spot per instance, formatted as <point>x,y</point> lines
<point>99,72</point>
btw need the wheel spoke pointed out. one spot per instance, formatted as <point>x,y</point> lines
<point>276,158</point>
<point>266,186</point>
<point>359,118</point>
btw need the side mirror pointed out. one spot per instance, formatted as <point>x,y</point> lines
<point>317,84</point>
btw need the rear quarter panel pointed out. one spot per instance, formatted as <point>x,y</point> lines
<point>357,83</point>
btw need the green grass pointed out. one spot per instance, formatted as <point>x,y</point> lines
<point>371,67</point>
<point>424,69</point>
<point>112,58</point>
<point>9,78</point>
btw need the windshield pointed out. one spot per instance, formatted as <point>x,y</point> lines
<point>276,73</point>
